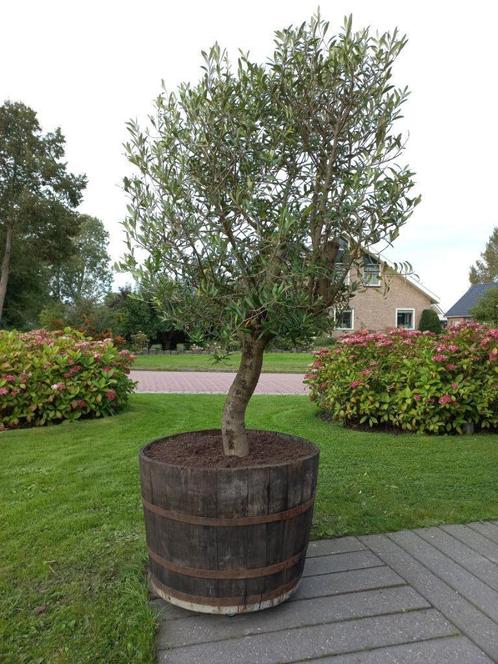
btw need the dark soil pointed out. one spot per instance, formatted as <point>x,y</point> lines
<point>205,448</point>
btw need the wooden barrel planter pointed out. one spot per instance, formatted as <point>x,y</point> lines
<point>228,539</point>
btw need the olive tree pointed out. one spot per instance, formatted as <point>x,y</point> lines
<point>255,190</point>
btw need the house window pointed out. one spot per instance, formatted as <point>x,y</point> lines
<point>371,271</point>
<point>344,320</point>
<point>341,258</point>
<point>405,318</point>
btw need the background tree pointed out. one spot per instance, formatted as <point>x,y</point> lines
<point>429,322</point>
<point>248,181</point>
<point>486,269</point>
<point>37,194</point>
<point>486,308</point>
<point>87,273</point>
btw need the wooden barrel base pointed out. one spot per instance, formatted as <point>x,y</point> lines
<point>234,608</point>
<point>228,540</point>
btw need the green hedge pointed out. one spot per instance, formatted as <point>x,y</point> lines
<point>54,376</point>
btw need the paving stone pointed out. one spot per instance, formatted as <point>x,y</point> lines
<point>340,562</point>
<point>214,382</point>
<point>317,641</point>
<point>329,546</point>
<point>207,628</point>
<point>489,530</point>
<point>465,583</point>
<point>346,582</point>
<point>452,650</point>
<point>462,554</point>
<point>475,540</point>
<point>165,612</point>
<point>471,621</point>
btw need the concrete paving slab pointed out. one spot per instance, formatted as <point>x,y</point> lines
<point>475,540</point>
<point>291,615</point>
<point>347,582</point>
<point>489,530</point>
<point>462,554</point>
<point>294,645</point>
<point>458,578</point>
<point>340,562</point>
<point>452,650</point>
<point>475,624</point>
<point>413,597</point>
<point>338,545</point>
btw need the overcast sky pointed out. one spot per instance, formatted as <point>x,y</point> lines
<point>89,66</point>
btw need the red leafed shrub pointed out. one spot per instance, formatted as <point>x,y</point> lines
<point>410,380</point>
<point>53,376</point>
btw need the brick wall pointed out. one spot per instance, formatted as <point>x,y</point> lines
<point>454,320</point>
<point>375,307</point>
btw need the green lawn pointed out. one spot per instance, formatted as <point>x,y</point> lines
<point>73,554</point>
<point>273,362</point>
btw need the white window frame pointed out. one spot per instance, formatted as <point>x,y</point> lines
<point>345,329</point>
<point>379,282</point>
<point>398,309</point>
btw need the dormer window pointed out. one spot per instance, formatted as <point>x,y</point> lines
<point>371,271</point>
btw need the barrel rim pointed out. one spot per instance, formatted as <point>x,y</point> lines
<point>315,452</point>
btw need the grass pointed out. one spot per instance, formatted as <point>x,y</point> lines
<point>73,555</point>
<point>273,362</point>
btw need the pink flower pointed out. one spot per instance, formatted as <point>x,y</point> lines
<point>417,397</point>
<point>446,398</point>
<point>451,367</point>
<point>366,372</point>
<point>106,369</point>
<point>453,348</point>
<point>439,358</point>
<point>3,391</point>
<point>58,387</point>
<point>9,378</point>
<point>111,394</point>
<point>493,355</point>
<point>355,384</point>
<point>454,386</point>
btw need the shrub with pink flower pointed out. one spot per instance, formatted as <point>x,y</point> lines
<point>47,377</point>
<point>434,384</point>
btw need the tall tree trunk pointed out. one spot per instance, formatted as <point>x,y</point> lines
<point>4,274</point>
<point>233,428</point>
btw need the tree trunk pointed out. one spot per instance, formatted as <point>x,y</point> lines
<point>233,427</point>
<point>4,274</point>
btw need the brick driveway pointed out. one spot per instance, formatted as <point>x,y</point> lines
<point>214,382</point>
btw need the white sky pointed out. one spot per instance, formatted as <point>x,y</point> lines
<point>89,66</point>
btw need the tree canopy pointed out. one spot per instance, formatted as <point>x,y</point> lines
<point>37,193</point>
<point>256,189</point>
<point>429,322</point>
<point>86,274</point>
<point>486,308</point>
<point>485,269</point>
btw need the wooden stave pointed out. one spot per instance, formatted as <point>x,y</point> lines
<point>279,537</point>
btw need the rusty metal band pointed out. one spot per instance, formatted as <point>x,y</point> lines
<point>235,573</point>
<point>226,601</point>
<point>196,520</point>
